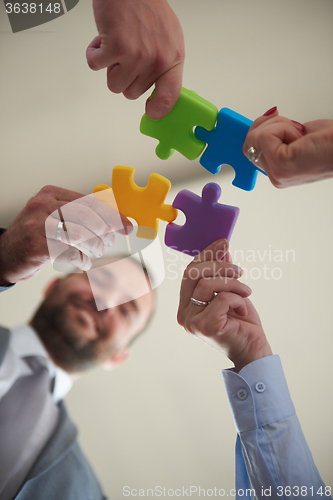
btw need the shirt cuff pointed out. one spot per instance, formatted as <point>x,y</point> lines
<point>258,395</point>
<point>3,288</point>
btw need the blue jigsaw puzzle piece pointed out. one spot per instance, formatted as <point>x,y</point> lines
<point>225,143</point>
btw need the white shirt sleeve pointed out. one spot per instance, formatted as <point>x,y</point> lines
<point>272,455</point>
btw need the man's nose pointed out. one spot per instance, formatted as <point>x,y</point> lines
<point>107,301</point>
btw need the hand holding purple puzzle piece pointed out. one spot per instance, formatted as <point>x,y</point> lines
<point>206,220</point>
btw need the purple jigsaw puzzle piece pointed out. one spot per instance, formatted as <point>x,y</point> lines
<point>206,220</point>
<point>225,143</point>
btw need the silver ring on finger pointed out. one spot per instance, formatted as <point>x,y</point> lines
<point>253,154</point>
<point>197,302</point>
<point>59,229</point>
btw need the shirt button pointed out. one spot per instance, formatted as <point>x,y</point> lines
<point>242,394</point>
<point>260,387</point>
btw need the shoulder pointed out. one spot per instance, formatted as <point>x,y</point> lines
<point>62,469</point>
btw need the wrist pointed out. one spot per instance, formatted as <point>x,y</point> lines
<point>251,354</point>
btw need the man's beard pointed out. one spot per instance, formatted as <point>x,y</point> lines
<point>63,343</point>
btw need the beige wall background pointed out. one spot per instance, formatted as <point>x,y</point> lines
<point>163,418</point>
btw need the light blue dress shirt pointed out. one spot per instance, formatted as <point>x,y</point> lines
<point>273,459</point>
<point>4,288</point>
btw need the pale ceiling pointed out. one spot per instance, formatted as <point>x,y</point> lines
<point>60,125</point>
<point>163,418</point>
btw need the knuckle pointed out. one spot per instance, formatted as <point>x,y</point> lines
<point>91,63</point>
<point>131,94</point>
<point>72,254</point>
<point>282,119</point>
<point>86,202</point>
<point>31,226</point>
<point>117,47</point>
<point>36,204</point>
<point>87,220</point>
<point>278,183</point>
<point>222,296</point>
<point>100,227</point>
<point>75,234</point>
<point>203,285</point>
<point>47,189</point>
<point>140,54</point>
<point>40,201</point>
<point>113,86</point>
<point>165,101</point>
<point>164,62</point>
<point>228,273</point>
<point>121,47</point>
<point>96,243</point>
<point>161,62</point>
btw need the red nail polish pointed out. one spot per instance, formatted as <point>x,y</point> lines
<point>299,125</point>
<point>270,111</point>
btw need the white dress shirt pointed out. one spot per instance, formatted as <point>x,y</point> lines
<point>25,342</point>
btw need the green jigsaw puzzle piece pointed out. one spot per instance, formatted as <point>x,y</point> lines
<point>175,131</point>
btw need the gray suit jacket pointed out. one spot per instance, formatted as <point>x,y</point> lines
<point>61,470</point>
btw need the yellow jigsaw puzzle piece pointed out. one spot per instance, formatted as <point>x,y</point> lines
<point>143,204</point>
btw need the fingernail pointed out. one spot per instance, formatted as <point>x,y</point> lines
<point>98,252</point>
<point>220,249</point>
<point>270,111</point>
<point>87,265</point>
<point>125,230</point>
<point>239,271</point>
<point>247,288</point>
<point>300,126</point>
<point>109,239</point>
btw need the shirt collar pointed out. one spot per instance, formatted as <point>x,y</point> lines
<point>25,342</point>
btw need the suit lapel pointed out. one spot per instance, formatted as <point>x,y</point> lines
<point>4,341</point>
<point>63,439</point>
